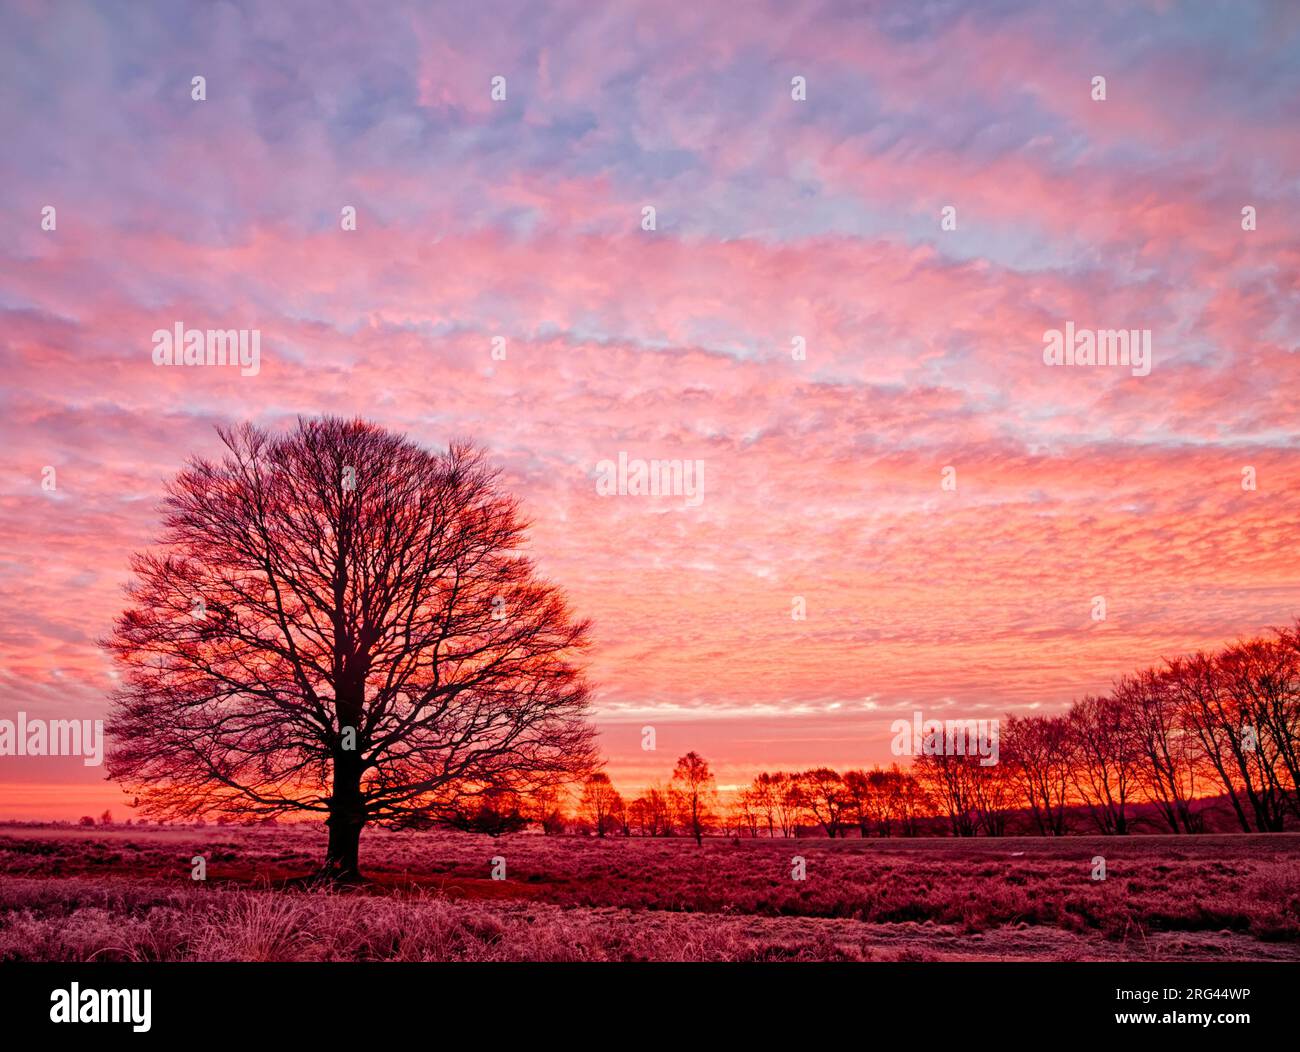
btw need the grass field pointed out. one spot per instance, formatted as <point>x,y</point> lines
<point>126,893</point>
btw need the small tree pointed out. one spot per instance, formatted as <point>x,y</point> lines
<point>694,789</point>
<point>1038,753</point>
<point>763,793</point>
<point>1105,760</point>
<point>600,803</point>
<point>494,813</point>
<point>789,802</point>
<point>861,793</point>
<point>826,797</point>
<point>747,811</point>
<point>546,808</point>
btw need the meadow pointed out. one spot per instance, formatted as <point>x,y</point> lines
<point>127,893</point>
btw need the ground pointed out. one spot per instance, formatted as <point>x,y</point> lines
<point>126,893</point>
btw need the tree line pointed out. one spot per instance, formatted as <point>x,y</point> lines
<point>1160,748</point>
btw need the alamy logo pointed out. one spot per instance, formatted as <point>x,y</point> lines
<point>922,737</point>
<point>181,346</point>
<point>1123,347</point>
<point>655,478</point>
<point>53,738</point>
<point>76,1005</point>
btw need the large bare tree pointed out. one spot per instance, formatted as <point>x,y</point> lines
<point>339,622</point>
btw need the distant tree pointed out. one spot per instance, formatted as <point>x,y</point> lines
<point>341,623</point>
<point>638,814</point>
<point>826,798</point>
<point>1213,691</point>
<point>1261,682</point>
<point>554,822</point>
<point>694,788</point>
<point>858,794</point>
<point>1105,760</point>
<point>1194,681</point>
<point>1037,752</point>
<point>601,804</point>
<point>494,813</point>
<point>890,800</point>
<point>652,812</point>
<point>790,804</point>
<point>949,780</point>
<point>994,793</point>
<point>763,794</point>
<point>1277,705</point>
<point>908,799</point>
<point>546,808</point>
<point>86,820</point>
<point>746,811</point>
<point>106,819</point>
<point>873,800</point>
<point>1169,756</point>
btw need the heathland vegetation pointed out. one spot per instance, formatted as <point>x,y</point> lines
<point>119,893</point>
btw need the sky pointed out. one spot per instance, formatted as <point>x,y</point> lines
<point>863,381</point>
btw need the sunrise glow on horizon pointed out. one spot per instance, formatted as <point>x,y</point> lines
<point>858,371</point>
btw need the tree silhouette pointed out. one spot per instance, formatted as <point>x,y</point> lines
<point>600,803</point>
<point>824,793</point>
<point>695,794</point>
<point>340,623</point>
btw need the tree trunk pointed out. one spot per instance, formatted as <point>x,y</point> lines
<point>347,817</point>
<point>341,859</point>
